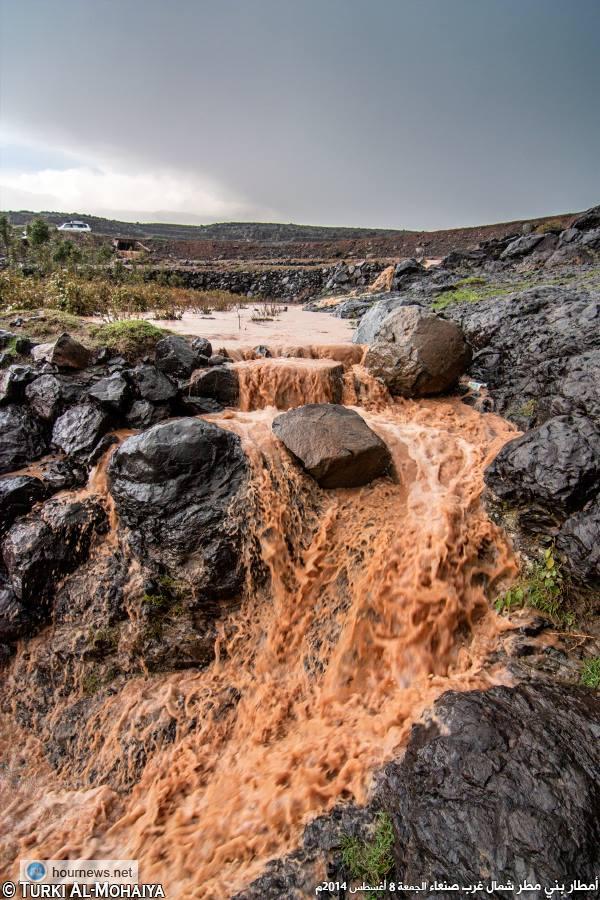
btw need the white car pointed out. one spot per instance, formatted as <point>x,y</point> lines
<point>73,226</point>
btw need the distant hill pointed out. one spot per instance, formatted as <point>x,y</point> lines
<point>270,232</point>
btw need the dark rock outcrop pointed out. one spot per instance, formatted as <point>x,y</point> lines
<point>522,246</point>
<point>79,429</point>
<point>202,346</point>
<point>177,487</point>
<point>578,542</point>
<point>15,621</point>
<point>17,496</point>
<point>551,471</point>
<point>501,784</point>
<point>417,353</point>
<point>334,444</point>
<point>65,352</point>
<point>22,438</point>
<point>47,544</point>
<point>537,350</point>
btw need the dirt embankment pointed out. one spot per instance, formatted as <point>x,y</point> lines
<point>391,246</point>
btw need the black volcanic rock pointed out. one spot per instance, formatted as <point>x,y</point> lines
<point>112,392</point>
<point>552,470</point>
<point>79,429</point>
<point>153,385</point>
<point>47,544</point>
<point>17,496</point>
<point>22,438</point>
<point>499,784</point>
<point>176,357</point>
<point>178,488</point>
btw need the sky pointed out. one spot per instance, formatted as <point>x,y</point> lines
<point>416,114</point>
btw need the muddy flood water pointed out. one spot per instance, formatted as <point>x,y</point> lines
<point>377,601</point>
<point>294,326</point>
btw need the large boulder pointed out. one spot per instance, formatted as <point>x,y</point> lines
<point>383,304</point>
<point>65,352</point>
<point>220,383</point>
<point>499,785</point>
<point>47,544</point>
<point>175,356</point>
<point>202,346</point>
<point>22,438</point>
<point>551,470</point>
<point>79,429</point>
<point>49,395</point>
<point>334,444</point>
<point>17,496</point>
<point>417,353</point>
<point>153,385</point>
<point>143,414</point>
<point>179,488</point>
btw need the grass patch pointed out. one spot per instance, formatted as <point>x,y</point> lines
<point>590,672</point>
<point>474,289</point>
<point>372,860</point>
<point>540,588</point>
<point>130,338</point>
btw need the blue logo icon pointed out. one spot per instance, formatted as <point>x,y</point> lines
<point>36,871</point>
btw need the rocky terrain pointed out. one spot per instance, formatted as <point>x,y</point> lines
<point>154,510</point>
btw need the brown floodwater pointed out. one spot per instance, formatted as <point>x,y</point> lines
<point>377,601</point>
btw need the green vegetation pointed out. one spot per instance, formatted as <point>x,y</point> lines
<point>526,410</point>
<point>590,672</point>
<point>550,225</point>
<point>38,232</point>
<point>475,288</point>
<point>541,588</point>
<point>168,598</point>
<point>130,338</point>
<point>372,860</point>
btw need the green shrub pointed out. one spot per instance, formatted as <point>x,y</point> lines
<point>130,338</point>
<point>540,589</point>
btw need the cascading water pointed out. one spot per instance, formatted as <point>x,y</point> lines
<point>377,601</point>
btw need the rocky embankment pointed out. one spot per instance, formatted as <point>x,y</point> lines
<point>124,511</point>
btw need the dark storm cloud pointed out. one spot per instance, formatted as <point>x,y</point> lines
<point>381,112</point>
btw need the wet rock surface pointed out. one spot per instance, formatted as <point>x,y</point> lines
<point>552,470</point>
<point>176,487</point>
<point>17,496</point>
<point>416,353</point>
<point>218,383</point>
<point>334,444</point>
<point>79,429</point>
<point>499,784</point>
<point>45,545</point>
<point>22,438</point>
<point>176,357</point>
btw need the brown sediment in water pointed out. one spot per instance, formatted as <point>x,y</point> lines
<point>377,602</point>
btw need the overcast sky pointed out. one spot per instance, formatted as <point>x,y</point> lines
<point>391,113</point>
